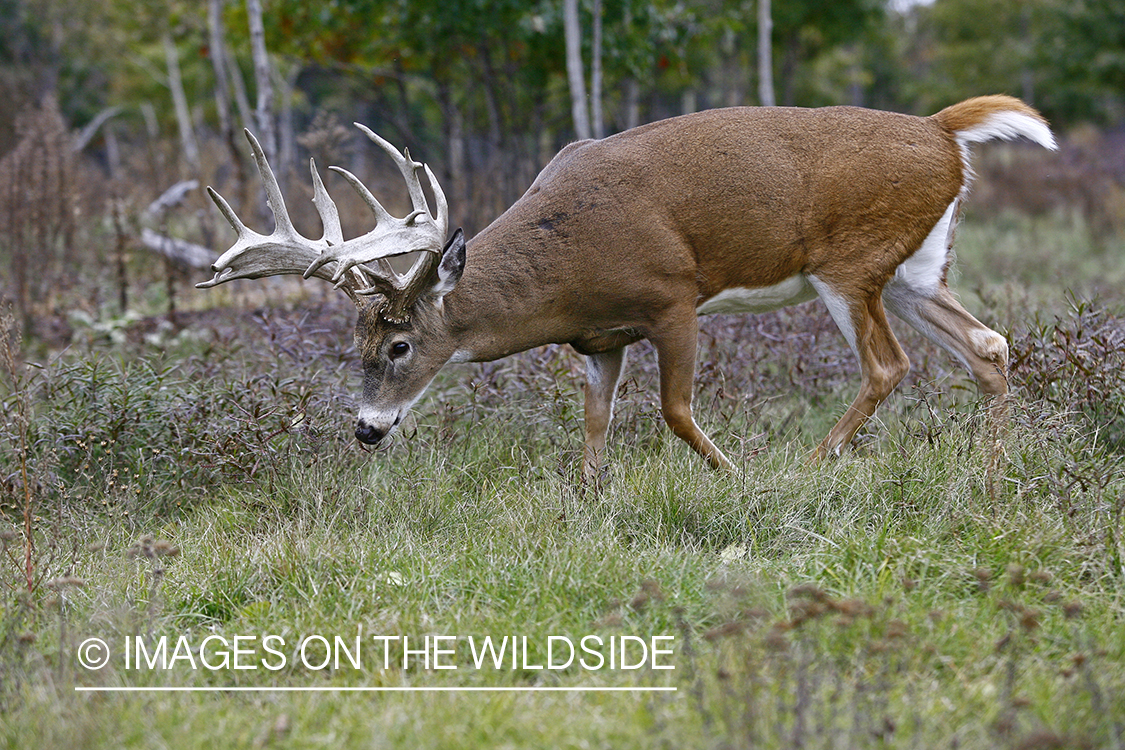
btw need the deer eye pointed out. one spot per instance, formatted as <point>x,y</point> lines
<point>399,349</point>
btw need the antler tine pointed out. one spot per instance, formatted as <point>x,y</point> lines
<point>345,261</point>
<point>381,214</point>
<point>442,217</point>
<point>343,265</point>
<point>387,271</point>
<point>283,225</point>
<point>228,213</point>
<point>414,283</point>
<point>283,251</point>
<point>364,281</point>
<point>326,207</point>
<point>407,166</point>
<point>377,283</point>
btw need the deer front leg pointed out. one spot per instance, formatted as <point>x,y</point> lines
<point>675,351</point>
<point>882,362</point>
<point>603,371</point>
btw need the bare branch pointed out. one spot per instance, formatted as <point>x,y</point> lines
<point>181,252</point>
<point>169,199</point>
<point>87,133</point>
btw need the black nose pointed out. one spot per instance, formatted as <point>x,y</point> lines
<point>365,433</point>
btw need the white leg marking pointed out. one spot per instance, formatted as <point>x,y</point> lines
<point>923,270</point>
<point>838,309</point>
<point>791,291</point>
<point>989,344</point>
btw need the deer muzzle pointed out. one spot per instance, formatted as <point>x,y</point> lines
<point>372,432</point>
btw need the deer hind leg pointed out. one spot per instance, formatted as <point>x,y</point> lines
<point>675,351</point>
<point>603,371</point>
<point>938,316</point>
<point>883,364</point>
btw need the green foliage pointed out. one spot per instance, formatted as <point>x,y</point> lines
<point>500,63</point>
<point>1094,31</point>
<point>1064,57</point>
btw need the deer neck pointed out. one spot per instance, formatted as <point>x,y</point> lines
<point>496,309</point>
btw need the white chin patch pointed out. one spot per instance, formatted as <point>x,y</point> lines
<point>379,419</point>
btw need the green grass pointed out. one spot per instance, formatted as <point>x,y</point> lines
<point>1021,264</point>
<point>905,595</point>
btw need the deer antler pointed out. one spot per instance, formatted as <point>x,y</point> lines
<point>343,262</point>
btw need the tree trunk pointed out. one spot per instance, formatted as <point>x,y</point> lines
<point>574,69</point>
<point>765,55</point>
<point>456,171</point>
<point>632,94</point>
<point>733,78</point>
<point>596,74</point>
<point>219,63</point>
<point>112,153</point>
<point>287,158</point>
<point>179,102</point>
<point>263,80</point>
<point>121,249</point>
<point>789,69</point>
<point>689,101</point>
<point>222,93</point>
<point>499,168</point>
<point>245,114</point>
<point>632,103</point>
<point>403,120</point>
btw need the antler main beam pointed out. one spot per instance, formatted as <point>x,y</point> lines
<point>343,262</point>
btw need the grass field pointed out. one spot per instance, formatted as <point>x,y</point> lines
<point>933,588</point>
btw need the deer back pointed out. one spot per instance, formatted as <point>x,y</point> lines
<point>613,231</point>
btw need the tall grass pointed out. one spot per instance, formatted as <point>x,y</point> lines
<point>205,483</point>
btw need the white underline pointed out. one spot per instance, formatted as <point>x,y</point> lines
<point>422,689</point>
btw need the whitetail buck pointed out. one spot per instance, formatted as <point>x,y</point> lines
<point>634,236</point>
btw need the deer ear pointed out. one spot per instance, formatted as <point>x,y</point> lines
<point>452,264</point>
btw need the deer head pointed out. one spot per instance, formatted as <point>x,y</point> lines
<point>399,332</point>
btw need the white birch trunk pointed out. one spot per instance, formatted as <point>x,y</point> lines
<point>218,63</point>
<point>263,80</point>
<point>574,69</point>
<point>765,55</point>
<point>241,100</point>
<point>288,138</point>
<point>596,74</point>
<point>179,103</point>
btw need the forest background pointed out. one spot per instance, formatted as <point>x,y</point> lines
<point>110,104</point>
